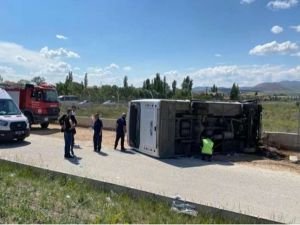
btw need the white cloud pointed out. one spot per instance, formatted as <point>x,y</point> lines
<point>30,63</point>
<point>247,1</point>
<point>54,69</point>
<point>95,69</point>
<point>282,4</point>
<point>274,48</point>
<point>5,70</point>
<point>62,37</point>
<point>244,75</point>
<point>173,75</point>
<point>276,29</point>
<point>112,66</point>
<point>57,53</point>
<point>76,68</point>
<point>21,58</point>
<point>225,75</point>
<point>296,54</point>
<point>127,68</point>
<point>218,55</point>
<point>108,75</point>
<point>296,28</point>
<point>17,55</point>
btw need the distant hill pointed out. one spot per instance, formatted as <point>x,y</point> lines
<point>267,87</point>
<point>276,87</point>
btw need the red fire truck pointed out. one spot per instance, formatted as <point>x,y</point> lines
<point>39,103</point>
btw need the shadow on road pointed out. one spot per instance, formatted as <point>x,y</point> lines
<point>223,159</point>
<point>13,144</point>
<point>48,131</point>
<point>75,160</point>
<point>128,152</point>
<point>102,153</point>
<point>194,161</point>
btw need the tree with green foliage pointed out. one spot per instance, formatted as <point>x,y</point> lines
<point>187,86</point>
<point>38,80</point>
<point>60,87</point>
<point>165,84</point>
<point>70,77</point>
<point>147,84</point>
<point>125,82</point>
<point>158,85</point>
<point>235,92</point>
<point>214,89</point>
<point>155,88</point>
<point>1,79</point>
<point>174,83</point>
<point>85,80</point>
<point>69,83</point>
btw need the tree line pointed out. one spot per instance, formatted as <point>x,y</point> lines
<point>157,87</point>
<point>152,88</point>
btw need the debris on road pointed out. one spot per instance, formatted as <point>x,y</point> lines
<point>180,206</point>
<point>293,158</point>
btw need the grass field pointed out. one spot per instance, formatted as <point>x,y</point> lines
<point>112,111</point>
<point>280,116</point>
<point>30,196</point>
<point>277,116</point>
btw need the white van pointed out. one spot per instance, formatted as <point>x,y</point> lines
<point>13,124</point>
<point>68,100</point>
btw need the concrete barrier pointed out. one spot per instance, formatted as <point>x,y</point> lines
<point>281,140</point>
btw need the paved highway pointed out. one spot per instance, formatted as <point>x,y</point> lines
<point>273,195</point>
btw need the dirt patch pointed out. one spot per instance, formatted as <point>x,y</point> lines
<point>275,165</point>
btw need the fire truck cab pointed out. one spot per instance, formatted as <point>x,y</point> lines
<point>38,103</point>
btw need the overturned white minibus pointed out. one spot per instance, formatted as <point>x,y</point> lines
<point>166,128</point>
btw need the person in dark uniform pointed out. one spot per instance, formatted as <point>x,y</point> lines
<point>97,133</point>
<point>74,131</point>
<point>67,122</point>
<point>120,131</point>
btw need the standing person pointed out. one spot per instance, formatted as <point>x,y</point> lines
<point>67,122</point>
<point>120,131</point>
<point>74,131</point>
<point>97,138</point>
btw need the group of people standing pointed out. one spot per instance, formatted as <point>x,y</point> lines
<point>68,124</point>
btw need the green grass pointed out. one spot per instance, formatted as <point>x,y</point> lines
<point>31,196</point>
<point>280,116</point>
<point>112,112</point>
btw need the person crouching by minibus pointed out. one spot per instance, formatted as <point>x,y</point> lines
<point>207,149</point>
<point>97,138</point>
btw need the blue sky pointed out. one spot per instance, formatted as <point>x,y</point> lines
<point>213,41</point>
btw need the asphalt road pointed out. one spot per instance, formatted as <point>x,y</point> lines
<point>268,194</point>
